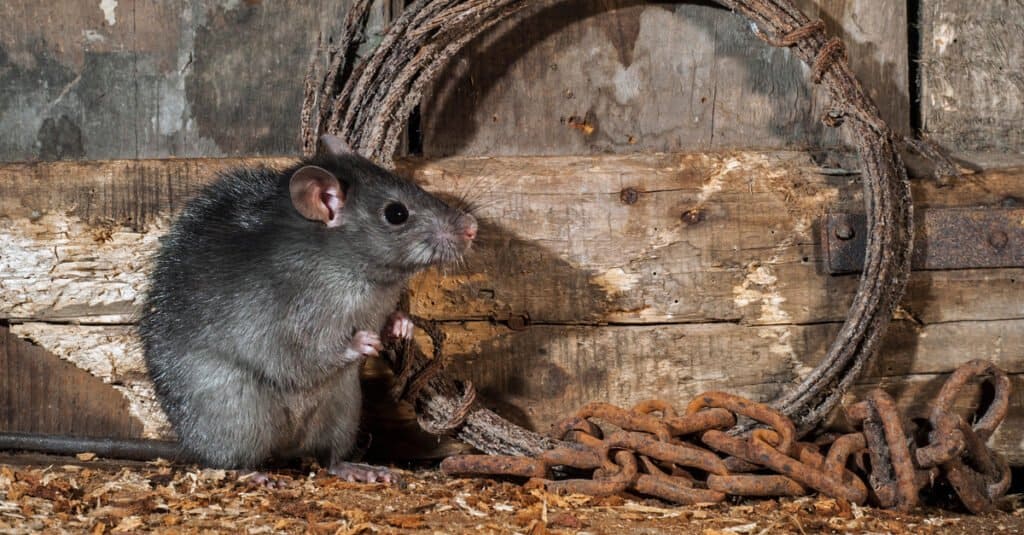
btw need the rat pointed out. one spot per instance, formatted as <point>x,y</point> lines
<point>268,293</point>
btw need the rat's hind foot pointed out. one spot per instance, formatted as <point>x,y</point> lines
<point>399,326</point>
<point>363,473</point>
<point>261,479</point>
<point>364,344</point>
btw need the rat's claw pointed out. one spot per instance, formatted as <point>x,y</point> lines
<point>363,473</point>
<point>400,326</point>
<point>261,479</point>
<point>364,344</point>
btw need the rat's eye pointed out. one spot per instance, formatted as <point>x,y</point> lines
<point>396,213</point>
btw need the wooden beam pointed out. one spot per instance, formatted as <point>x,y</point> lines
<point>639,239</point>
<point>539,375</point>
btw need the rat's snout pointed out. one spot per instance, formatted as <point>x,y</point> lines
<point>467,228</point>
<point>451,239</point>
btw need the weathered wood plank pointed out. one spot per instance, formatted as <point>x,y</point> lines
<point>192,78</point>
<point>41,393</point>
<point>547,368</point>
<point>538,375</point>
<point>580,77</point>
<point>111,355</point>
<point>972,89</point>
<point>748,253</point>
<point>558,243</point>
<point>147,79</point>
<point>91,229</point>
<point>133,194</point>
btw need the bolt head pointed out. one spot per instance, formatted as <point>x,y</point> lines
<point>844,231</point>
<point>998,239</point>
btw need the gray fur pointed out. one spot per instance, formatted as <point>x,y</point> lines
<point>251,308</point>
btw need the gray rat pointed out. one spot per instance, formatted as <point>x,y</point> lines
<point>269,291</point>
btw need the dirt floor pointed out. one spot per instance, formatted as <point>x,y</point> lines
<point>55,494</point>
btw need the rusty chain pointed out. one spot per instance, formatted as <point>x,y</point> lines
<point>688,458</point>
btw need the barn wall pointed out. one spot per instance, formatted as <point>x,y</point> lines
<point>623,76</point>
<point>574,294</point>
<point>155,78</point>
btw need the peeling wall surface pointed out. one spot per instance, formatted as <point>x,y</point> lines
<point>102,79</point>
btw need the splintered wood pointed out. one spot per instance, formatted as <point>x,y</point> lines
<point>101,498</point>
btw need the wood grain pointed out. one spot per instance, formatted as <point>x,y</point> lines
<point>110,357</point>
<point>583,77</point>
<point>145,79</point>
<point>538,375</point>
<point>41,393</point>
<point>972,88</point>
<point>204,78</point>
<point>558,244</point>
<point>572,293</point>
<point>611,277</point>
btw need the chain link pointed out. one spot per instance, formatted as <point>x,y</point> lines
<point>652,450</point>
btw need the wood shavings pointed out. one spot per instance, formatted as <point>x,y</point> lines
<point>461,502</point>
<point>141,498</point>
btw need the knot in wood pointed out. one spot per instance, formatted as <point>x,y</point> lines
<point>693,216</point>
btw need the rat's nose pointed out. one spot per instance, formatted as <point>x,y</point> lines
<point>468,227</point>
<point>470,232</point>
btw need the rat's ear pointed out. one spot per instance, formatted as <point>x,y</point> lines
<point>317,195</point>
<point>334,145</point>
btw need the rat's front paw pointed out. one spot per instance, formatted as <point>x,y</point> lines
<point>261,479</point>
<point>364,344</point>
<point>399,326</point>
<point>363,473</point>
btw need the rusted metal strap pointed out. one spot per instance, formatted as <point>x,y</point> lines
<point>944,238</point>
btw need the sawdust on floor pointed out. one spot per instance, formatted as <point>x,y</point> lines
<point>85,495</point>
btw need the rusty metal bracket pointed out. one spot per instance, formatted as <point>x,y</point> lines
<point>944,238</point>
